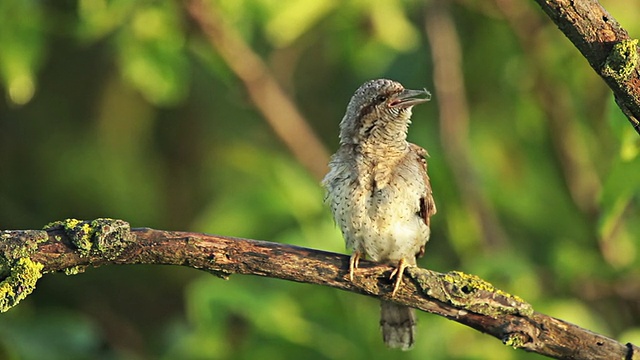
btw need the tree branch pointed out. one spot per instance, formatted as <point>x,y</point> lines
<point>553,97</point>
<point>605,44</point>
<point>267,95</point>
<point>72,245</point>
<point>450,93</point>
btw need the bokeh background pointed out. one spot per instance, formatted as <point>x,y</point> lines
<point>219,117</point>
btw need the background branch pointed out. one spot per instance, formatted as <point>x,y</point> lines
<point>277,108</point>
<point>554,99</point>
<point>71,245</point>
<point>454,121</point>
<point>605,44</point>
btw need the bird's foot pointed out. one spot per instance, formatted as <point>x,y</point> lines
<point>397,273</point>
<point>353,263</point>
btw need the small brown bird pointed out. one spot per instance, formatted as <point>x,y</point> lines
<point>379,191</point>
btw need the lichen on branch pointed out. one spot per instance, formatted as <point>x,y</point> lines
<point>103,236</point>
<point>20,282</point>
<point>469,292</point>
<point>606,45</point>
<point>71,245</point>
<point>18,273</point>
<point>622,60</point>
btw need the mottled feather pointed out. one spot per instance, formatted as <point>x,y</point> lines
<point>379,191</point>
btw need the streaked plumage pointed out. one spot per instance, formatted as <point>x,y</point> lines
<point>379,191</point>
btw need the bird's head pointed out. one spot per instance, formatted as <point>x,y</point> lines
<point>380,108</point>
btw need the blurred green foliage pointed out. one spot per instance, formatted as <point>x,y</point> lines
<point>123,109</point>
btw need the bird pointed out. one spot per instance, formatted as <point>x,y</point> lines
<point>379,192</point>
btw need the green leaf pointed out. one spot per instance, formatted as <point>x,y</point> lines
<point>21,48</point>
<point>151,54</point>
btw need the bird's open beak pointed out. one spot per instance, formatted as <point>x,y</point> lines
<point>409,98</point>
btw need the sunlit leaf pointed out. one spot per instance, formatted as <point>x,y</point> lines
<point>292,18</point>
<point>98,18</point>
<point>21,48</point>
<point>391,25</point>
<point>151,54</point>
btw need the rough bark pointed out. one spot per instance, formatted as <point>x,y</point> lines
<point>606,46</point>
<point>72,245</point>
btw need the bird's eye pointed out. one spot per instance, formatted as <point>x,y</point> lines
<point>381,98</point>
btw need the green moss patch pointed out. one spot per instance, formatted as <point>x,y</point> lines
<point>469,292</point>
<point>100,237</point>
<point>622,60</point>
<point>18,244</point>
<point>23,275</point>
<point>18,273</point>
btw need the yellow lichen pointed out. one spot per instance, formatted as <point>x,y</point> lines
<point>475,282</point>
<point>52,225</point>
<point>17,244</point>
<point>80,233</point>
<point>622,60</point>
<point>478,295</point>
<point>71,223</point>
<point>74,270</point>
<point>514,340</point>
<point>23,275</point>
<point>101,237</point>
<point>18,273</point>
<point>469,292</point>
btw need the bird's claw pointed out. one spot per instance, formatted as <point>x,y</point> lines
<point>398,272</point>
<point>353,263</point>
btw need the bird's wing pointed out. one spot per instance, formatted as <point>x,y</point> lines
<point>427,205</point>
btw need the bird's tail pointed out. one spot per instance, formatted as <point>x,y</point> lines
<point>398,325</point>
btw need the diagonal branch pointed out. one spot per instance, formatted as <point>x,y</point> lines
<point>605,44</point>
<point>72,245</point>
<point>571,148</point>
<point>270,100</point>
